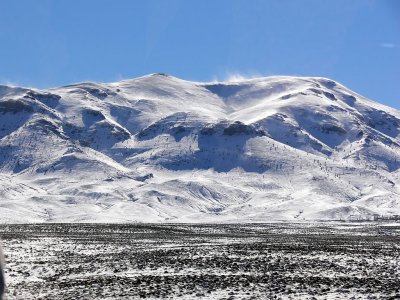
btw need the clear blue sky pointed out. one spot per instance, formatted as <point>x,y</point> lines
<point>47,43</point>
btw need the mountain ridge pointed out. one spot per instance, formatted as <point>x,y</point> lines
<point>162,149</point>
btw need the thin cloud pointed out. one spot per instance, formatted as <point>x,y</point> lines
<point>388,45</point>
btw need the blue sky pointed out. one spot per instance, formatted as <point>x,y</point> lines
<point>50,43</point>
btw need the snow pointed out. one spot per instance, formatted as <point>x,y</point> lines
<point>162,149</point>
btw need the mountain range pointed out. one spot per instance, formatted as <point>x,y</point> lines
<point>162,149</point>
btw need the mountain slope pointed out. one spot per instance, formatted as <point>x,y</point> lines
<point>158,148</point>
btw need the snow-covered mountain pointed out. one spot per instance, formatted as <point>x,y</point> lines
<point>158,148</point>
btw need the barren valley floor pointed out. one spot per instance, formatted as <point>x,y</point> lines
<point>226,261</point>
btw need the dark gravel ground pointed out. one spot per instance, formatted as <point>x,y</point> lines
<point>253,261</point>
